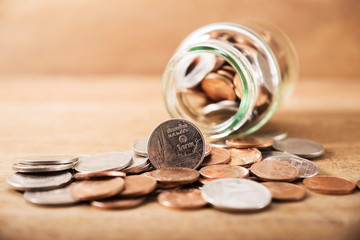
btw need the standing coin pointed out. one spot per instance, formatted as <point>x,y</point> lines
<point>275,171</point>
<point>224,171</point>
<point>49,159</point>
<point>329,185</point>
<point>27,168</point>
<point>217,156</point>
<point>61,196</point>
<point>138,185</point>
<point>182,198</point>
<point>285,191</point>
<point>45,181</point>
<point>101,174</point>
<point>244,157</point>
<point>301,147</point>
<point>249,142</point>
<point>208,150</point>
<point>276,135</point>
<point>175,175</point>
<point>306,168</point>
<point>236,194</point>
<point>118,203</point>
<point>104,162</point>
<point>140,146</point>
<point>97,189</point>
<point>176,143</point>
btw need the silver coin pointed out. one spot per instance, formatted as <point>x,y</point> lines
<point>61,196</point>
<point>306,167</point>
<point>49,159</point>
<point>236,194</point>
<point>104,162</point>
<point>267,154</point>
<point>45,181</point>
<point>276,135</point>
<point>176,143</point>
<point>301,147</point>
<point>140,146</point>
<point>219,144</point>
<point>27,168</point>
<point>138,164</point>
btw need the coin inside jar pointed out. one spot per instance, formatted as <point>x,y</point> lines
<point>275,171</point>
<point>244,157</point>
<point>182,198</point>
<point>97,189</point>
<point>224,171</point>
<point>329,185</point>
<point>118,203</point>
<point>89,175</point>
<point>218,87</point>
<point>138,185</point>
<point>217,156</point>
<point>249,142</point>
<point>285,191</point>
<point>175,175</point>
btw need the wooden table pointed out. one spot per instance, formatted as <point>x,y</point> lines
<point>71,114</point>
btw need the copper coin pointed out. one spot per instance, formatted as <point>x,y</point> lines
<point>329,185</point>
<point>175,175</point>
<point>169,185</point>
<point>208,150</point>
<point>224,73</point>
<point>275,171</point>
<point>229,69</point>
<point>118,203</point>
<point>97,189</point>
<point>358,184</point>
<point>224,171</point>
<point>249,142</point>
<point>89,175</point>
<point>217,156</point>
<point>244,157</point>
<point>285,191</point>
<point>138,185</point>
<point>218,87</point>
<point>182,198</point>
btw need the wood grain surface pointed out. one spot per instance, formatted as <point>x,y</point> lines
<point>72,114</point>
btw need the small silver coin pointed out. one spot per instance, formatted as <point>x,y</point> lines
<point>26,168</point>
<point>49,159</point>
<point>176,143</point>
<point>219,144</point>
<point>276,135</point>
<point>140,146</point>
<point>104,162</point>
<point>236,194</point>
<point>138,164</point>
<point>301,147</point>
<point>44,181</point>
<point>306,167</point>
<point>267,154</point>
<point>61,196</point>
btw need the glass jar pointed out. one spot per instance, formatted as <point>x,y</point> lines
<point>228,79</point>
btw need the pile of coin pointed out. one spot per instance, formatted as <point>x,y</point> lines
<point>175,165</point>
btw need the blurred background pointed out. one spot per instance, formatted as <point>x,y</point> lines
<point>139,36</point>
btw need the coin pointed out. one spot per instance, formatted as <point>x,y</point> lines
<point>27,168</point>
<point>267,154</point>
<point>104,162</point>
<point>249,142</point>
<point>358,184</point>
<point>217,156</point>
<point>306,168</point>
<point>301,147</point>
<point>276,135</point>
<point>140,146</point>
<point>275,171</point>
<point>329,185</point>
<point>48,159</point>
<point>224,171</point>
<point>229,69</point>
<point>190,198</point>
<point>208,150</point>
<point>244,157</point>
<point>138,185</point>
<point>218,87</point>
<point>61,196</point>
<point>89,175</point>
<point>97,189</point>
<point>176,143</point>
<point>44,181</point>
<point>285,191</point>
<point>224,73</point>
<point>205,180</point>
<point>236,194</point>
<point>118,203</point>
<point>138,164</point>
<point>175,175</point>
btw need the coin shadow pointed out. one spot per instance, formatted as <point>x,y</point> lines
<point>245,212</point>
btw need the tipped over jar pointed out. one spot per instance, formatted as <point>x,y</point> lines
<point>228,79</point>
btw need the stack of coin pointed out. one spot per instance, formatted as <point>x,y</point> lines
<point>175,163</point>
